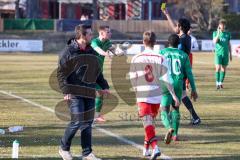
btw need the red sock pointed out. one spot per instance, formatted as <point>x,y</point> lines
<point>149,134</point>
<point>153,144</point>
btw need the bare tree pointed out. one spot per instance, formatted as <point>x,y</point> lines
<point>205,13</point>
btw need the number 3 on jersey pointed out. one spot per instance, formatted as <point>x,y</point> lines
<point>175,66</point>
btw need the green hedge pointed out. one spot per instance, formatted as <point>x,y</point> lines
<point>28,24</point>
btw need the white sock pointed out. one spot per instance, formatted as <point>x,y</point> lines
<point>97,114</point>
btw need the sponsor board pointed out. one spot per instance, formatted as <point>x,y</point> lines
<point>208,45</point>
<point>15,45</point>
<point>235,44</point>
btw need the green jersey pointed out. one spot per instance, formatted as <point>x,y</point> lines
<point>222,46</point>
<point>104,45</point>
<point>179,66</point>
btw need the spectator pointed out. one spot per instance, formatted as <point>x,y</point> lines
<point>194,43</point>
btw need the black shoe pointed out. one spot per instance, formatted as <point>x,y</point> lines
<point>168,136</point>
<point>196,122</point>
<point>218,87</point>
<point>221,86</point>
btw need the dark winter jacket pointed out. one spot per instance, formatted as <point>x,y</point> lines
<point>79,71</point>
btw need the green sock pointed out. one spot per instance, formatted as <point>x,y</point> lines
<point>175,121</point>
<point>165,119</point>
<point>222,76</point>
<point>98,104</point>
<point>217,76</point>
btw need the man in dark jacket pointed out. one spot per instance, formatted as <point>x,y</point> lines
<point>78,73</point>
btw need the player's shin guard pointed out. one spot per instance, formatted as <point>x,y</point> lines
<point>222,76</point>
<point>98,104</point>
<point>175,121</point>
<point>150,135</point>
<point>217,76</point>
<point>187,102</point>
<point>165,119</point>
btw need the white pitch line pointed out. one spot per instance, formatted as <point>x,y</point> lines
<point>30,156</point>
<point>120,138</point>
<point>109,133</point>
<point>28,101</point>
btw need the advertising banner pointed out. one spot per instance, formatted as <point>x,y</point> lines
<point>15,45</point>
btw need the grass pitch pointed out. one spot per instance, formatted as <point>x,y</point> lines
<point>27,76</point>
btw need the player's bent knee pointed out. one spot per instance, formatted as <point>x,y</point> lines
<point>223,68</point>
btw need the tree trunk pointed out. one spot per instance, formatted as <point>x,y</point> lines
<point>17,13</point>
<point>33,9</point>
<point>95,10</point>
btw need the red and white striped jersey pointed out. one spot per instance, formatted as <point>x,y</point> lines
<point>148,72</point>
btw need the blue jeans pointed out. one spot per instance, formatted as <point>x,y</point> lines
<point>82,115</point>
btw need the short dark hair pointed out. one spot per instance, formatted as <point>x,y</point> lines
<point>149,38</point>
<point>173,40</point>
<point>222,21</point>
<point>103,27</point>
<point>184,24</point>
<point>81,30</point>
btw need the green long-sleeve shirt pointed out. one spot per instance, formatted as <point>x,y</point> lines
<point>222,46</point>
<point>104,45</point>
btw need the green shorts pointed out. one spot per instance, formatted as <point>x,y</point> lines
<point>221,59</point>
<point>98,87</point>
<point>167,99</point>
